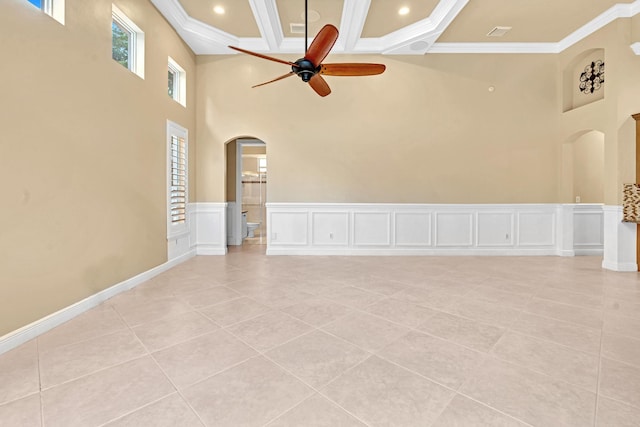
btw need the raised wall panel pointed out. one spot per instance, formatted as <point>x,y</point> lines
<point>432,229</point>
<point>288,228</point>
<point>210,227</point>
<point>495,229</point>
<point>371,229</point>
<point>454,229</point>
<point>588,229</point>
<point>413,229</point>
<point>536,229</point>
<point>330,228</point>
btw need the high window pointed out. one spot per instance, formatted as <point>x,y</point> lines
<point>177,82</point>
<point>127,42</point>
<point>178,175</point>
<point>53,8</point>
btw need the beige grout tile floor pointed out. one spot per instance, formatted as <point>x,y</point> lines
<point>251,340</point>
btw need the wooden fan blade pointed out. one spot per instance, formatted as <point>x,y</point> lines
<point>259,55</point>
<point>348,69</point>
<point>320,85</point>
<point>276,79</point>
<point>322,44</point>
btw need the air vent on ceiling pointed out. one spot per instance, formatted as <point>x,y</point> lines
<point>498,31</point>
<point>297,28</point>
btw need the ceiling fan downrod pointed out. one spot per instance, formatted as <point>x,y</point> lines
<point>306,26</point>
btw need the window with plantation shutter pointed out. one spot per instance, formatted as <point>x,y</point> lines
<point>178,176</point>
<point>178,180</point>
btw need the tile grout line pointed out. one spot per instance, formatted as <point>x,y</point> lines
<point>361,310</point>
<point>150,355</point>
<point>40,383</point>
<point>313,329</point>
<point>598,380</point>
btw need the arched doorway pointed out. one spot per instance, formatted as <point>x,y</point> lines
<point>246,191</point>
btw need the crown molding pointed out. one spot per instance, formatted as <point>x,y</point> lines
<point>416,39</point>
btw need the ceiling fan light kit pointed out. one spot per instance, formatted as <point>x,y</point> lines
<point>310,68</point>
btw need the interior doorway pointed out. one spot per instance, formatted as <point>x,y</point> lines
<point>246,192</point>
<point>254,192</point>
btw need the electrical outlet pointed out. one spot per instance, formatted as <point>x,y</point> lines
<point>577,199</point>
<point>506,236</point>
<point>331,236</point>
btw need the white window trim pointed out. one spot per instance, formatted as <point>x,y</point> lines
<point>180,82</point>
<point>176,230</point>
<point>136,51</point>
<point>54,8</point>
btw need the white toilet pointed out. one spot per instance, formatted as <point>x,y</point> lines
<point>251,227</point>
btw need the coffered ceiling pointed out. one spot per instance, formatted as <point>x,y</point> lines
<point>376,26</point>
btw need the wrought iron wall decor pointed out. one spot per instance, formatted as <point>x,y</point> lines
<point>592,78</point>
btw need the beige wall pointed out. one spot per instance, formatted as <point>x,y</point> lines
<point>588,168</point>
<point>427,130</point>
<point>612,115</point>
<point>84,150</point>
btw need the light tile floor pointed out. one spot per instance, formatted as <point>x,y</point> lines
<point>251,340</point>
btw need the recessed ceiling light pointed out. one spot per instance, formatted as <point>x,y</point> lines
<point>219,10</point>
<point>403,10</point>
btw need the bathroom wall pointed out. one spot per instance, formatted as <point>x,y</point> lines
<point>254,186</point>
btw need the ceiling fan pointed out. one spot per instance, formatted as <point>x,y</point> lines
<point>310,68</point>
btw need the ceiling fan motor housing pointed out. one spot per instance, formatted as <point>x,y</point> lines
<point>305,69</point>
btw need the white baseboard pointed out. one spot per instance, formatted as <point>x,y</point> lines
<point>411,252</point>
<point>619,266</point>
<point>566,252</point>
<point>589,252</point>
<point>39,327</point>
<point>210,250</point>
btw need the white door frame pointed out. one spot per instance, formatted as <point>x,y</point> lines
<point>235,214</point>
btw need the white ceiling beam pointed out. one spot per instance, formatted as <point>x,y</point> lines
<point>268,20</point>
<point>354,15</point>
<point>418,38</point>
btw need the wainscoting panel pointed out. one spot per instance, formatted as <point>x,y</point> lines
<point>330,228</point>
<point>619,241</point>
<point>372,228</point>
<point>426,229</point>
<point>413,228</point>
<point>454,229</point>
<point>536,228</point>
<point>210,224</point>
<point>288,228</point>
<point>588,230</point>
<point>495,229</point>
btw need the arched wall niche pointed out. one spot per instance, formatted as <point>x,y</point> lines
<point>586,62</point>
<point>583,167</point>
